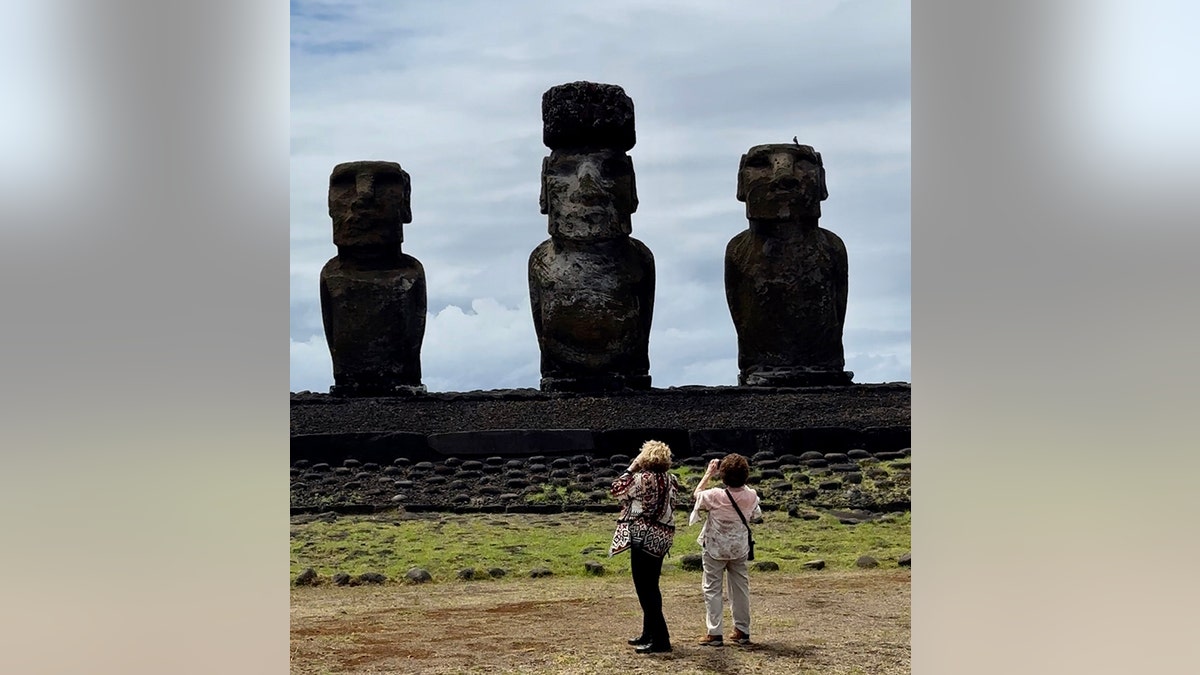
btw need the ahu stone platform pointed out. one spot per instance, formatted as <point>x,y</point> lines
<point>527,450</point>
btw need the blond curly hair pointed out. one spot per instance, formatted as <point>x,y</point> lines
<point>654,456</point>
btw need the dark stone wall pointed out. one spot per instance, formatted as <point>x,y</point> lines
<point>692,420</point>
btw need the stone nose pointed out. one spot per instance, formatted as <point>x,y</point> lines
<point>364,189</point>
<point>787,182</point>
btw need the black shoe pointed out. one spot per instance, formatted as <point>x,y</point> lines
<point>639,641</point>
<point>653,649</point>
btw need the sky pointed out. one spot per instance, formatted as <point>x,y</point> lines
<point>452,91</point>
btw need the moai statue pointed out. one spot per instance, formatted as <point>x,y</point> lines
<point>591,285</point>
<point>372,294</point>
<point>786,277</point>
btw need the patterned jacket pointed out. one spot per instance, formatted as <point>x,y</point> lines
<point>648,500</point>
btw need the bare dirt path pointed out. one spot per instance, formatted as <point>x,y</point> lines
<point>822,623</point>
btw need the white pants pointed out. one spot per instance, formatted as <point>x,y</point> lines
<point>739,593</point>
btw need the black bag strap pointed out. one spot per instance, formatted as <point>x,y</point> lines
<point>735,508</point>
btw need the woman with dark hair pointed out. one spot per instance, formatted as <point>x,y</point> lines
<point>725,541</point>
<point>646,526</point>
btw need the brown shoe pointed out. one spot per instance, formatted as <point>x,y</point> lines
<point>712,641</point>
<point>739,637</point>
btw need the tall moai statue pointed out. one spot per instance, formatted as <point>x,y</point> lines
<point>372,294</point>
<point>785,276</point>
<point>591,285</point>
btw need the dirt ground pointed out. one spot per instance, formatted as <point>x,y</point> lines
<point>822,623</point>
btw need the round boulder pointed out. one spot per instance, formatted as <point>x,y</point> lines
<point>417,575</point>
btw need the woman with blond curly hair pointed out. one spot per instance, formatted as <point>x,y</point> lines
<point>646,526</point>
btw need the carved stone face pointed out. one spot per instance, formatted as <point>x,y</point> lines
<point>588,195</point>
<point>782,183</point>
<point>368,202</point>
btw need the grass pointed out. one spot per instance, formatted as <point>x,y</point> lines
<point>445,543</point>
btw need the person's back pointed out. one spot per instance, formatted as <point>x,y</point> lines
<point>725,540</point>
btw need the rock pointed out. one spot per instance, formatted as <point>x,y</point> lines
<point>341,579</point>
<point>854,477</point>
<point>905,560</point>
<point>417,575</point>
<point>587,114</point>
<point>795,512</point>
<point>691,562</point>
<point>466,574</point>
<point>815,565</point>
<point>497,572</point>
<point>866,562</point>
<point>858,453</point>
<point>371,578</point>
<point>351,463</point>
<point>766,566</point>
<point>539,572</point>
<point>308,578</point>
<point>830,485</point>
<point>593,567</point>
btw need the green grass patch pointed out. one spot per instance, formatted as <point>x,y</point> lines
<point>446,543</point>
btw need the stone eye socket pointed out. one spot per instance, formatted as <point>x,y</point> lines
<point>562,166</point>
<point>342,180</point>
<point>757,162</point>
<point>387,179</point>
<point>615,167</point>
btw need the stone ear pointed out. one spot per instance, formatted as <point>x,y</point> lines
<point>406,207</point>
<point>741,187</point>
<point>633,198</point>
<point>821,178</point>
<point>542,192</point>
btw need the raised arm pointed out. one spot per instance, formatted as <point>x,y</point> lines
<point>624,485</point>
<point>709,472</point>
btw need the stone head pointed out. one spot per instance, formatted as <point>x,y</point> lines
<point>369,203</point>
<point>588,195</point>
<point>782,182</point>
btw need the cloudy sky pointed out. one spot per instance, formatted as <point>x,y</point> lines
<point>452,91</point>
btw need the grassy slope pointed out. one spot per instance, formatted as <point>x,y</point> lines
<point>446,543</point>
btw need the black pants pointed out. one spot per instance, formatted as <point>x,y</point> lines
<point>646,570</point>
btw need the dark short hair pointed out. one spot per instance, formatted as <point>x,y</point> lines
<point>735,469</point>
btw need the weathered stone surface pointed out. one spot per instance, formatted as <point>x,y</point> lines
<point>587,115</point>
<point>379,447</point>
<point>513,442</point>
<point>905,560</point>
<point>866,562</point>
<point>373,296</point>
<point>786,277</point>
<point>815,565</point>
<point>539,572</point>
<point>307,578</point>
<point>593,567</point>
<point>766,566</point>
<point>466,574</point>
<point>371,578</point>
<point>591,285</point>
<point>627,442</point>
<point>416,575</point>
<point>691,562</point>
<point>341,579</point>
<point>725,441</point>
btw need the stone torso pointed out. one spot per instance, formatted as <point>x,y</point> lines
<point>374,324</point>
<point>787,295</point>
<point>592,308</point>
